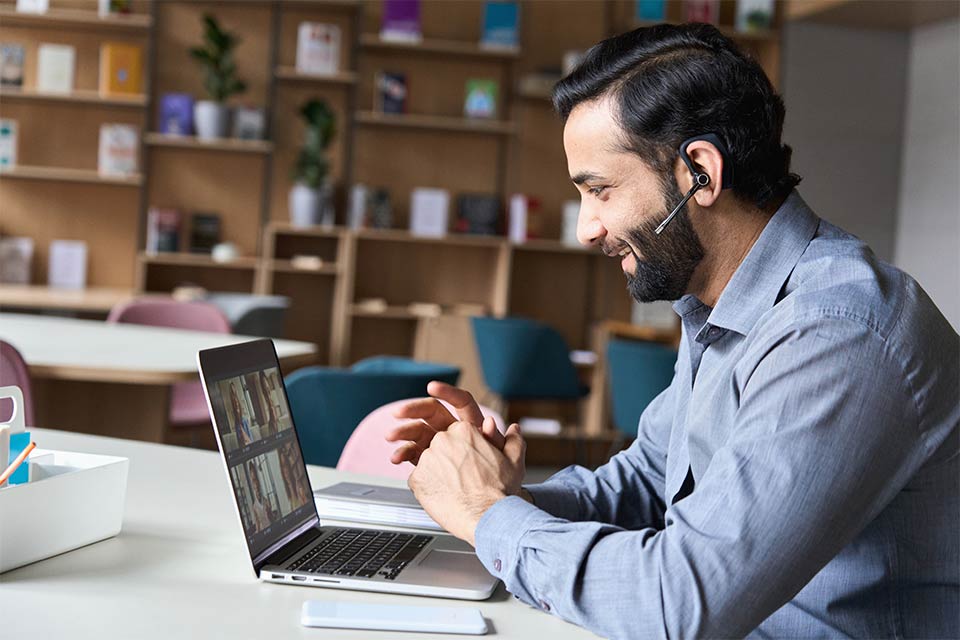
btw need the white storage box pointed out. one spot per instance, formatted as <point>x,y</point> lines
<point>75,501</point>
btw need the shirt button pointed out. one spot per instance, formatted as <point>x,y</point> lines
<point>496,565</point>
<point>544,605</point>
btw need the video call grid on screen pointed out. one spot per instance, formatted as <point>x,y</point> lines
<point>262,453</point>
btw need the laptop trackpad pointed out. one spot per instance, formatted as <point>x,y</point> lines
<point>450,569</point>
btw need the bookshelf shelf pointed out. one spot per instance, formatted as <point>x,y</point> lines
<point>61,174</point>
<point>554,246</point>
<point>232,145</point>
<point>443,47</point>
<point>451,239</point>
<point>760,35</point>
<point>435,123</point>
<point>290,74</point>
<point>74,18</point>
<point>74,97</point>
<point>287,266</point>
<point>287,229</point>
<point>392,312</point>
<point>197,260</point>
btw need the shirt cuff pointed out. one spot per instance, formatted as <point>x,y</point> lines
<point>497,536</point>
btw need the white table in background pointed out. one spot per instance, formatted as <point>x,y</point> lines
<point>180,569</point>
<point>114,379</point>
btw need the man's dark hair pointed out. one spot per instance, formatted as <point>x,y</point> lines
<point>673,82</point>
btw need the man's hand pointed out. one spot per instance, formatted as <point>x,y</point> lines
<point>462,474</point>
<point>428,417</point>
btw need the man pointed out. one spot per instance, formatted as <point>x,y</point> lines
<point>799,476</point>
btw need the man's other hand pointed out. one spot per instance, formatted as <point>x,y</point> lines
<point>462,474</point>
<point>428,416</point>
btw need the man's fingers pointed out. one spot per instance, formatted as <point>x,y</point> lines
<point>467,408</point>
<point>514,446</point>
<point>427,409</point>
<point>409,452</point>
<point>415,430</point>
<point>491,433</point>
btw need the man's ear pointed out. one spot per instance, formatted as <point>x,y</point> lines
<point>708,159</point>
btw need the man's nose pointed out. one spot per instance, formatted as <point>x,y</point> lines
<point>590,231</point>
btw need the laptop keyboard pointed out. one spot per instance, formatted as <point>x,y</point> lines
<point>362,553</point>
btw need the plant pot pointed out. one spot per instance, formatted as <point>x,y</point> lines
<point>309,207</point>
<point>304,204</point>
<point>211,119</point>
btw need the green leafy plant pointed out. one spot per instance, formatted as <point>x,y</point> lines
<point>216,57</point>
<point>312,166</point>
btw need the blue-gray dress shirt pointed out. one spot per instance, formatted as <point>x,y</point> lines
<point>799,477</point>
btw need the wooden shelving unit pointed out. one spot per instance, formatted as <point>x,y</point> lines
<point>231,145</point>
<point>247,182</point>
<point>432,46</point>
<point>74,97</point>
<point>291,74</point>
<point>435,123</point>
<point>74,19</point>
<point>62,174</point>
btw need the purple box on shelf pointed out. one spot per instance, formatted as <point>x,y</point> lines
<point>176,114</point>
<point>401,21</point>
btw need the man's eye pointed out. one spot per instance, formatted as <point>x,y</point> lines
<point>596,191</point>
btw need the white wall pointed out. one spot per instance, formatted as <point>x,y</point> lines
<point>928,222</point>
<point>845,93</point>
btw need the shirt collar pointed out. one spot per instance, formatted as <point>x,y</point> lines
<point>755,284</point>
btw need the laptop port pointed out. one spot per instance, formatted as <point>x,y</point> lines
<point>276,576</point>
<point>298,578</point>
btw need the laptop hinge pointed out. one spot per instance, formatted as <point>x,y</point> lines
<point>289,549</point>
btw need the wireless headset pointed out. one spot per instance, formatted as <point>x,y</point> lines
<point>700,179</point>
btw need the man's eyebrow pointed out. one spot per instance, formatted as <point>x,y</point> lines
<point>584,176</point>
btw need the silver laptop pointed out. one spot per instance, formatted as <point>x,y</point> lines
<point>287,543</point>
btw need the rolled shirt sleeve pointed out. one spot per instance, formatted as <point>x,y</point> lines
<point>811,460</point>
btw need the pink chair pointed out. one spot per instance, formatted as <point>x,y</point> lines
<point>14,371</point>
<point>368,452</point>
<point>187,404</point>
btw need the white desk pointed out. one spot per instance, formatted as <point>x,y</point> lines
<point>114,379</point>
<point>179,568</point>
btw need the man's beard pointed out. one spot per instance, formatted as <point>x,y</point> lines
<point>668,259</point>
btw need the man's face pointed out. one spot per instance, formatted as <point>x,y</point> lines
<point>621,203</point>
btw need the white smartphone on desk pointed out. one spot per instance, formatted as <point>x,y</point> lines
<point>392,617</point>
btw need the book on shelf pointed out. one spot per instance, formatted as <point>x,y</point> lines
<point>517,222</point>
<point>501,20</point>
<point>651,10</point>
<point>706,11</point>
<point>163,230</point>
<point>204,232</point>
<point>107,8</point>
<point>481,98</point>
<point>248,123</point>
<point>121,69</point>
<point>33,6</point>
<point>400,21</point>
<point>68,264</point>
<point>11,65</point>
<point>478,213</point>
<point>391,92</point>
<point>119,149</point>
<point>16,260</point>
<point>318,48</point>
<point>56,66</point>
<point>176,114</point>
<point>754,15</point>
<point>357,207</point>
<point>429,212</point>
<point>8,143</point>
<point>381,209</point>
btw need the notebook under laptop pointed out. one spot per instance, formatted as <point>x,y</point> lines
<point>286,540</point>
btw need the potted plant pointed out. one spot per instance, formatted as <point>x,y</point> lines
<point>311,197</point>
<point>219,79</point>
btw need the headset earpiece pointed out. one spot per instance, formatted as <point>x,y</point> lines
<point>700,179</point>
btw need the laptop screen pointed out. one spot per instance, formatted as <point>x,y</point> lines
<point>259,443</point>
